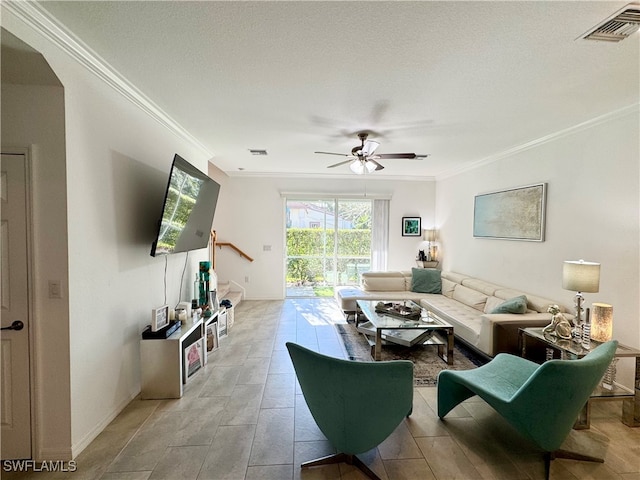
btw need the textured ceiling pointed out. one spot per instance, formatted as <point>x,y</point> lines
<point>462,81</point>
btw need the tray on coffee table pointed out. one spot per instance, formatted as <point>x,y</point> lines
<point>399,309</point>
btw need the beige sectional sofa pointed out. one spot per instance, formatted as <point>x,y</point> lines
<point>465,302</point>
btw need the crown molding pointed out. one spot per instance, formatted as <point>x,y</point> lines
<point>42,22</point>
<point>607,117</point>
<point>325,195</point>
<point>352,176</point>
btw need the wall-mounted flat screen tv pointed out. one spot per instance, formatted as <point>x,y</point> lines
<point>187,215</point>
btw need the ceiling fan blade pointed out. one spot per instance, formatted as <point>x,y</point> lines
<point>387,156</point>
<point>331,153</point>
<point>341,163</point>
<point>369,147</point>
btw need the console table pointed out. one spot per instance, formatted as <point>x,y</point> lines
<point>427,264</point>
<point>572,350</point>
<point>162,360</point>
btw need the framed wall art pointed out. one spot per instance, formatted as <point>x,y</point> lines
<point>511,214</point>
<point>411,226</point>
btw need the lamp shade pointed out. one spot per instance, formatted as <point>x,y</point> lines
<point>581,276</point>
<point>430,235</point>
<point>601,322</point>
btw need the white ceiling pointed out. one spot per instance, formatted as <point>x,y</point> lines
<point>462,81</point>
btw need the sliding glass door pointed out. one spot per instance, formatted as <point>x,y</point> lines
<point>328,244</point>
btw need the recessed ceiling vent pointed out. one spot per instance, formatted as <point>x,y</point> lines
<point>617,27</point>
<point>255,151</point>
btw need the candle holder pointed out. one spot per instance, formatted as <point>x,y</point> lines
<point>601,322</point>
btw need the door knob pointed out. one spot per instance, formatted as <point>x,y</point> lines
<point>16,325</point>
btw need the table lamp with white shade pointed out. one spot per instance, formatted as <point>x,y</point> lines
<point>430,236</point>
<point>580,276</point>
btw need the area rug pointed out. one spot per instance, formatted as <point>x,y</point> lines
<point>426,362</point>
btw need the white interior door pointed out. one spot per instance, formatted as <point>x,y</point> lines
<point>15,400</point>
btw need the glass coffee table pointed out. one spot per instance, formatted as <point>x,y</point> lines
<point>381,328</point>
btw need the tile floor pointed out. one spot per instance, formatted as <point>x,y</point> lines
<point>243,417</point>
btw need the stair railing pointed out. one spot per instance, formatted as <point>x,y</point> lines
<point>215,243</point>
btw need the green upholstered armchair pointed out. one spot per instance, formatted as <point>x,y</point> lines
<point>356,405</point>
<point>541,402</point>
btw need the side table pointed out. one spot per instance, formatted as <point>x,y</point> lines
<point>571,351</point>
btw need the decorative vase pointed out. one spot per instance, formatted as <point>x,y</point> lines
<point>204,277</point>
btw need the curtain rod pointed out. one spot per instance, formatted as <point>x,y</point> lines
<point>322,196</point>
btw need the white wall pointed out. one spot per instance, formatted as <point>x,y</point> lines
<point>117,166</point>
<point>117,174</point>
<point>31,118</point>
<point>593,201</point>
<point>250,214</point>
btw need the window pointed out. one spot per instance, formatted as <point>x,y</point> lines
<point>328,244</point>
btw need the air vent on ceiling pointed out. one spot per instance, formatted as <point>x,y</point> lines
<point>254,151</point>
<point>617,27</point>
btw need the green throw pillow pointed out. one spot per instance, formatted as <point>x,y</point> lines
<point>426,280</point>
<point>513,305</point>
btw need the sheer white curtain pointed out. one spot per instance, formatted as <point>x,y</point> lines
<point>380,235</point>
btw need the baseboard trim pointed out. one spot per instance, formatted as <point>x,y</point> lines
<point>85,441</point>
<point>53,454</point>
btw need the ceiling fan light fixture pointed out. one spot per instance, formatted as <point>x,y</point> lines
<point>360,167</point>
<point>356,167</point>
<point>370,166</point>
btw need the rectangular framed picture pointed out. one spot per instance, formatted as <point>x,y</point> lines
<point>159,318</point>
<point>212,337</point>
<point>193,359</point>
<point>411,226</point>
<point>214,305</point>
<point>223,329</point>
<point>511,214</point>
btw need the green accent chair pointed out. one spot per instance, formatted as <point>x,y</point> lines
<point>541,402</point>
<point>356,405</point>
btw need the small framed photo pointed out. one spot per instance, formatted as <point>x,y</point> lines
<point>159,318</point>
<point>212,337</point>
<point>223,329</point>
<point>193,359</point>
<point>214,306</point>
<point>411,226</point>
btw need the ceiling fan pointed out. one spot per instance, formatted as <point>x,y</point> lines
<point>362,158</point>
